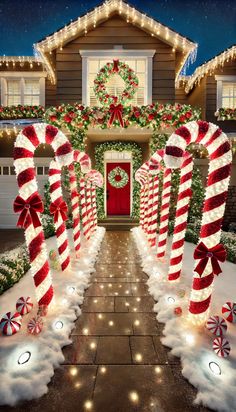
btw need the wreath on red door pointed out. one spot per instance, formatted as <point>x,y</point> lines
<point>118,177</point>
<point>125,72</point>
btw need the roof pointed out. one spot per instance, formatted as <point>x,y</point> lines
<point>209,66</point>
<point>102,12</point>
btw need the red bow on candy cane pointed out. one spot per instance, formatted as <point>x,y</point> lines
<point>59,208</point>
<point>28,209</point>
<point>116,114</point>
<point>216,253</point>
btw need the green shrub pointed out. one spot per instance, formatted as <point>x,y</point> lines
<point>13,265</point>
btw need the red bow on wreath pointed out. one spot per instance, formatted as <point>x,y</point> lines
<point>115,66</point>
<point>116,114</point>
<point>216,253</point>
<point>28,209</point>
<point>59,208</point>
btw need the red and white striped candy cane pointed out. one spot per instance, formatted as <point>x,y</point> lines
<point>164,218</point>
<point>29,204</point>
<point>96,179</point>
<point>154,169</point>
<point>83,205</point>
<point>181,215</point>
<point>85,165</point>
<point>220,155</point>
<point>74,194</point>
<point>150,204</point>
<point>58,209</point>
<point>87,229</point>
<point>142,180</point>
<point>141,176</point>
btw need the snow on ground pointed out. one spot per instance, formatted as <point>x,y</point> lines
<point>29,380</point>
<point>193,344</point>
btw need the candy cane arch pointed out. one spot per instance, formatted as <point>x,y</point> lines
<point>29,203</point>
<point>164,218</point>
<point>208,251</point>
<point>181,215</point>
<point>85,165</point>
<point>58,208</point>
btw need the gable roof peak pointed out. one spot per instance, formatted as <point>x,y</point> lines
<point>90,20</point>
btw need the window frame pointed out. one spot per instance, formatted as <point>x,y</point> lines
<point>220,80</point>
<point>117,53</point>
<point>21,77</point>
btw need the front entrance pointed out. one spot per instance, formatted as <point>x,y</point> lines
<point>118,188</point>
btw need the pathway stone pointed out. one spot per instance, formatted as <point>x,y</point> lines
<point>116,362</point>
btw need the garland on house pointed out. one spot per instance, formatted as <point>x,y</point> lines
<point>136,151</point>
<point>118,177</point>
<point>21,112</point>
<point>226,114</point>
<point>125,72</point>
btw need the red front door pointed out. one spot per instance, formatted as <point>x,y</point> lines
<point>118,198</point>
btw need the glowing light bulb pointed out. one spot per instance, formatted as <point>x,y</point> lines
<point>138,357</point>
<point>170,299</point>
<point>103,369</point>
<point>59,325</point>
<point>73,371</point>
<point>88,405</point>
<point>24,358</point>
<point>85,331</point>
<point>134,396</point>
<point>92,345</point>
<point>158,369</point>
<point>190,339</point>
<point>111,323</point>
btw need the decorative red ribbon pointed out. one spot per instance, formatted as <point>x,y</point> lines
<point>59,208</point>
<point>115,66</point>
<point>216,253</point>
<point>28,209</point>
<point>116,114</point>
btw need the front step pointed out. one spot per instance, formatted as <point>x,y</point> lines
<point>118,223</point>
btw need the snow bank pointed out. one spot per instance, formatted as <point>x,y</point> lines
<point>29,380</point>
<point>192,344</point>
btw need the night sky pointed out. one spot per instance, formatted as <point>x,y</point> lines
<point>210,23</point>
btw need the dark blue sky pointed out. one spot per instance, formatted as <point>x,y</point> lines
<point>210,23</point>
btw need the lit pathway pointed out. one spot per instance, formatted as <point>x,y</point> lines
<point>116,362</point>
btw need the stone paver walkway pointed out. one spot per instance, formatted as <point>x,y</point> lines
<point>116,362</point>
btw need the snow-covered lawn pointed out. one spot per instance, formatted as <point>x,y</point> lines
<point>193,345</point>
<point>29,380</point>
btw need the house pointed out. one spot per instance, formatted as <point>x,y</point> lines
<point>66,64</point>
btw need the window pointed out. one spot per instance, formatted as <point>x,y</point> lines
<point>13,92</point>
<point>22,88</point>
<point>229,95</point>
<point>139,60</point>
<point>32,92</point>
<point>116,84</point>
<point>226,91</point>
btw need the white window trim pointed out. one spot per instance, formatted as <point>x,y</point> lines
<point>220,80</point>
<point>21,76</point>
<point>110,55</point>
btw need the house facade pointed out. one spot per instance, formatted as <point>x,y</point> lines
<point>64,70</point>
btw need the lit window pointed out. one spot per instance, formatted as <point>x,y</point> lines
<point>31,92</point>
<point>116,84</point>
<point>229,95</point>
<point>13,92</point>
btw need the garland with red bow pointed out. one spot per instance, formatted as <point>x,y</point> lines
<point>215,254</point>
<point>125,72</point>
<point>29,210</point>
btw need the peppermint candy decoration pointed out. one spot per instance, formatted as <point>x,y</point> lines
<point>24,305</point>
<point>10,323</point>
<point>229,311</point>
<point>221,347</point>
<point>216,325</point>
<point>35,325</point>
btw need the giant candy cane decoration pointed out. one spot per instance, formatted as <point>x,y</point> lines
<point>141,176</point>
<point>58,209</point>
<point>184,196</point>
<point>29,203</point>
<point>85,165</point>
<point>95,179</point>
<point>154,169</point>
<point>209,251</point>
<point>164,219</point>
